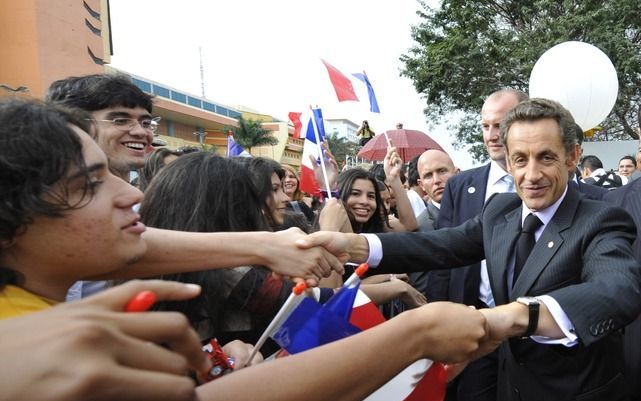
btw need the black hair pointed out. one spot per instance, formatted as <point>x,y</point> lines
<point>631,158</point>
<point>98,92</point>
<point>154,162</point>
<point>412,172</point>
<point>346,181</point>
<point>38,147</point>
<point>261,170</point>
<point>203,192</point>
<point>592,162</point>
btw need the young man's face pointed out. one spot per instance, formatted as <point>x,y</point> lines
<point>101,236</point>
<point>125,148</point>
<point>538,162</point>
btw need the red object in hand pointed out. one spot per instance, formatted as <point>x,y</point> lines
<point>141,302</point>
<point>221,364</point>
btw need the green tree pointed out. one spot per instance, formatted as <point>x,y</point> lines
<point>250,133</point>
<point>340,147</point>
<point>465,50</point>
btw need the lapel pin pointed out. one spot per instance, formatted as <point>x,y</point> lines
<point>550,244</point>
<point>471,190</point>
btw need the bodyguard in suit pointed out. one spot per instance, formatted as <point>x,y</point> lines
<point>463,198</point>
<point>434,169</point>
<point>563,287</point>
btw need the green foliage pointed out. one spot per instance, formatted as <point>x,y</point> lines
<point>250,133</point>
<point>340,147</point>
<point>465,50</point>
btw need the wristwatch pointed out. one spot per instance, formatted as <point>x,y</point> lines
<point>533,305</point>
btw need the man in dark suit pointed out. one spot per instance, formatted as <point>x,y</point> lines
<point>562,307</point>
<point>434,168</point>
<point>629,198</point>
<point>463,198</point>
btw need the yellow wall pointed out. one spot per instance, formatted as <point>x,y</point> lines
<point>44,40</point>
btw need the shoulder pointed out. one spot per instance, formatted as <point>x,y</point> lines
<point>620,196</point>
<point>468,177</point>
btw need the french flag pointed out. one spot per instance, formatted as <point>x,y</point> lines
<point>305,128</point>
<point>234,149</point>
<point>346,87</point>
<point>348,312</point>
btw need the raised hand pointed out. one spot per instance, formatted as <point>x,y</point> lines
<point>331,167</point>
<point>392,164</point>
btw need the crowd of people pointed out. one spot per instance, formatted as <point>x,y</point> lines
<point>523,276</point>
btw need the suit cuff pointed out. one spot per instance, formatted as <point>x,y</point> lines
<point>375,250</point>
<point>562,320</point>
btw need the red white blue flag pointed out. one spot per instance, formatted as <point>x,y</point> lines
<point>348,312</point>
<point>349,86</point>
<point>309,126</point>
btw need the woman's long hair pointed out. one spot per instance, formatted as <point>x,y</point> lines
<point>203,192</point>
<point>345,184</point>
<point>261,170</point>
<point>298,194</point>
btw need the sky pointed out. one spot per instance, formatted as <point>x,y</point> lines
<point>266,55</point>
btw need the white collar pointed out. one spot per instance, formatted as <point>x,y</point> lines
<point>544,214</point>
<point>496,173</point>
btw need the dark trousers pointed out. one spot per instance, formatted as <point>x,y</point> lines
<point>364,141</point>
<point>477,382</point>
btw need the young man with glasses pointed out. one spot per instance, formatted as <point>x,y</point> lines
<point>121,113</point>
<point>122,118</point>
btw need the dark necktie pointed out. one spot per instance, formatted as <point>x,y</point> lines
<point>525,243</point>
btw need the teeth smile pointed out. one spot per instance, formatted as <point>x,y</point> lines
<point>134,145</point>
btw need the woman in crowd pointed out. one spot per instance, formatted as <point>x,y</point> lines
<point>360,209</point>
<point>154,162</point>
<point>291,186</point>
<point>202,192</point>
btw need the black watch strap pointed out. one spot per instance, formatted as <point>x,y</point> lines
<point>533,305</point>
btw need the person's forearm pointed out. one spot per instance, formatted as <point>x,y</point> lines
<point>176,251</point>
<point>338,371</point>
<point>518,317</point>
<point>383,292</point>
<point>404,206</point>
<point>358,248</point>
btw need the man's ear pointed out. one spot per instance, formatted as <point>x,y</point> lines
<point>573,157</point>
<point>456,170</point>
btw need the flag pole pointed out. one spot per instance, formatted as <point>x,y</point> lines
<point>320,153</point>
<point>356,276</point>
<point>282,314</point>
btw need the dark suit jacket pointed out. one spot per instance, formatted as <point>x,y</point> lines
<point>421,280</point>
<point>583,259</point>
<point>427,219</point>
<point>629,197</point>
<point>463,198</point>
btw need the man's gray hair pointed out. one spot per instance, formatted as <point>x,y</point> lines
<point>539,109</point>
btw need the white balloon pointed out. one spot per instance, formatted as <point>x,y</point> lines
<point>580,77</point>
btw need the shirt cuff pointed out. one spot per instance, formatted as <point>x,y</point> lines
<point>375,250</point>
<point>562,320</point>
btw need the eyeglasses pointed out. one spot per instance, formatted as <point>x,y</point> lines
<point>127,124</point>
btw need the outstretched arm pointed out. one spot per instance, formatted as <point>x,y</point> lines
<point>439,331</point>
<point>174,251</point>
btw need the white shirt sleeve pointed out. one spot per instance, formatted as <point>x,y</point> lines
<point>375,250</point>
<point>562,320</point>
